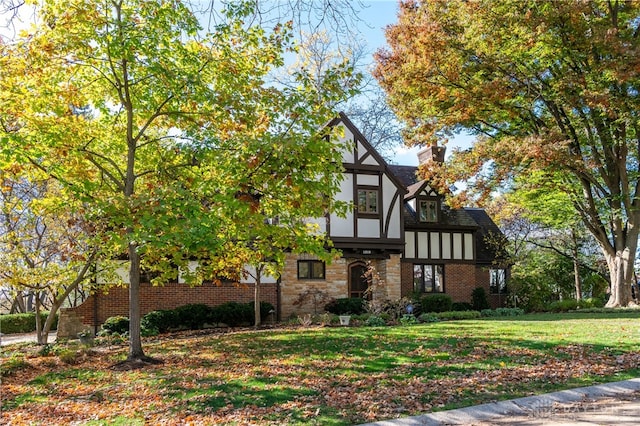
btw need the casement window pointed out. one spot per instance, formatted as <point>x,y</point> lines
<point>497,281</point>
<point>310,270</point>
<point>368,201</point>
<point>428,210</point>
<point>428,278</point>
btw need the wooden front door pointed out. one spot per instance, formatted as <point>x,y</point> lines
<point>357,281</point>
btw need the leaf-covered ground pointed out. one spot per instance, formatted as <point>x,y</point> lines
<point>317,375</point>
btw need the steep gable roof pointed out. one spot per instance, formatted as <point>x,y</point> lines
<point>405,174</point>
<point>371,151</point>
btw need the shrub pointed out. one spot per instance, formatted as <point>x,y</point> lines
<point>461,306</point>
<point>592,302</point>
<point>193,316</point>
<point>375,321</point>
<point>23,323</point>
<point>161,320</point>
<point>479,299</point>
<point>13,364</point>
<point>457,315</point>
<point>116,325</point>
<point>69,356</point>
<point>563,305</point>
<point>233,313</point>
<point>395,309</point>
<point>427,317</point>
<point>436,303</point>
<point>360,318</point>
<point>346,306</point>
<point>509,312</point>
<point>265,309</point>
<point>408,319</point>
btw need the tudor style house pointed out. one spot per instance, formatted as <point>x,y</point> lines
<point>399,224</point>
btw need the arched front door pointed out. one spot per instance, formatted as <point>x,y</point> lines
<point>357,281</point>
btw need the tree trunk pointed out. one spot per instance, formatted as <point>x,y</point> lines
<point>135,341</point>
<point>576,266</point>
<point>41,341</point>
<point>17,307</point>
<point>621,273</point>
<point>577,279</point>
<point>46,328</point>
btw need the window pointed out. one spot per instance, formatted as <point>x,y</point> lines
<point>428,210</point>
<point>368,201</point>
<point>428,278</point>
<point>497,281</point>
<point>310,270</point>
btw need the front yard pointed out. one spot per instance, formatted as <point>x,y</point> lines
<point>328,376</point>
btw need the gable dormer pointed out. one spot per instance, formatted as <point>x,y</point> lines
<point>425,202</point>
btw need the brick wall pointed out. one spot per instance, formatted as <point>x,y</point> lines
<point>459,281</point>
<point>495,300</point>
<point>116,300</point>
<point>457,277</point>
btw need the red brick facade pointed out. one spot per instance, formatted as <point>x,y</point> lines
<point>460,279</point>
<point>116,300</point>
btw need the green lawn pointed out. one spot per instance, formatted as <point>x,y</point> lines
<point>339,375</point>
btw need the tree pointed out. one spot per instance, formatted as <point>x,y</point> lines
<point>376,121</point>
<point>547,86</point>
<point>173,138</point>
<point>368,110</point>
<point>541,246</point>
<point>559,229</point>
<point>45,247</point>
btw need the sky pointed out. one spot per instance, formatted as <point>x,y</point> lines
<point>375,16</point>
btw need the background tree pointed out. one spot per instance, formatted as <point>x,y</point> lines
<point>546,204</point>
<point>543,258</point>
<point>162,130</point>
<point>547,86</point>
<point>46,249</point>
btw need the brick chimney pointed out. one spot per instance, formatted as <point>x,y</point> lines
<point>431,153</point>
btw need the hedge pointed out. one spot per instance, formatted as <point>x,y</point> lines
<point>196,316</point>
<point>346,306</point>
<point>436,303</point>
<point>23,323</point>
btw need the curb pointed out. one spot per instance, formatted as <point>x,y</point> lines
<point>515,407</point>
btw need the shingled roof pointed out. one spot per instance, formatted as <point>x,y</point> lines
<point>469,218</point>
<point>485,252</point>
<point>405,174</point>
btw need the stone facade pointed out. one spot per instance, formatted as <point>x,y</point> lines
<point>334,286</point>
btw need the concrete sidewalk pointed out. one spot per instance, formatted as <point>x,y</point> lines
<point>9,339</point>
<point>615,403</point>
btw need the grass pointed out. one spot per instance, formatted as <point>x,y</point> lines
<point>334,376</point>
